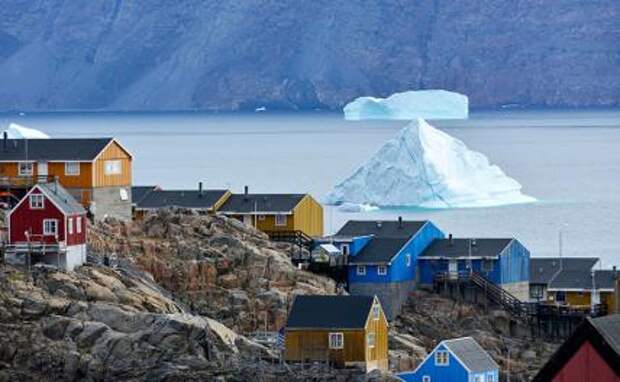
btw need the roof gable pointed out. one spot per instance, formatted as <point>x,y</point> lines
<point>471,355</point>
<point>269,203</point>
<point>53,149</point>
<point>58,195</point>
<point>329,312</point>
<point>381,229</point>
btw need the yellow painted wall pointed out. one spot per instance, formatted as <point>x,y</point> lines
<point>308,217</point>
<point>608,298</point>
<point>83,180</point>
<point>578,299</point>
<point>314,345</point>
<point>113,152</point>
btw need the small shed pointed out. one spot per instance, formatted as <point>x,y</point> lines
<point>342,330</point>
<point>455,360</point>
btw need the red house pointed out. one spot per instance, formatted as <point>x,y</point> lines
<point>590,354</point>
<point>50,225</point>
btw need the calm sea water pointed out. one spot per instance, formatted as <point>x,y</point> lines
<point>569,160</point>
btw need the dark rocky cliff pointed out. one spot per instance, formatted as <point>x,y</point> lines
<point>230,55</point>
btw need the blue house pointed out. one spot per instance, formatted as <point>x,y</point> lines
<point>505,262</point>
<point>382,258</point>
<point>455,360</point>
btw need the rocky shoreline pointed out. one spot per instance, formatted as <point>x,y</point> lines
<point>181,294</point>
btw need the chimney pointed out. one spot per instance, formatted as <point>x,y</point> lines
<point>56,181</point>
<point>450,241</point>
<point>400,222</point>
<point>200,189</point>
<point>5,136</point>
<point>246,190</point>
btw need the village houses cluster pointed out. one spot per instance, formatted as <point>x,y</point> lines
<point>53,188</point>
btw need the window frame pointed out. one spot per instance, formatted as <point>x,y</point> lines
<point>280,223</point>
<point>70,225</point>
<point>261,217</point>
<point>78,224</point>
<point>344,248</point>
<point>382,270</point>
<point>114,169</point>
<point>369,343</point>
<point>439,361</point>
<point>336,340</point>
<point>361,270</point>
<point>55,224</point>
<point>376,312</point>
<point>408,259</point>
<point>38,196</point>
<point>69,173</point>
<point>426,378</point>
<point>490,377</point>
<point>27,173</point>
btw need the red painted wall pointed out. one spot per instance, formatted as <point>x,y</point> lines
<point>23,218</point>
<point>586,365</point>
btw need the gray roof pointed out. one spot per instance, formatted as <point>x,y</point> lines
<point>327,312</point>
<point>609,328</point>
<point>180,198</point>
<point>543,269</point>
<point>460,247</point>
<point>471,354</point>
<point>77,149</point>
<point>384,229</point>
<point>572,279</point>
<point>139,192</point>
<point>379,250</point>
<point>248,203</point>
<point>62,198</point>
<point>605,278</point>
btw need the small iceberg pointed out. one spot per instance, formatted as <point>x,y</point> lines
<point>16,131</point>
<point>410,105</point>
<point>425,167</point>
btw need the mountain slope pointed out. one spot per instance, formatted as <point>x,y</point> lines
<point>211,55</point>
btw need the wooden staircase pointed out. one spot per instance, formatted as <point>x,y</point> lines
<point>296,237</point>
<point>501,297</point>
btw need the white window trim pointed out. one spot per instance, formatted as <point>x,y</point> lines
<point>45,231</point>
<point>335,344</point>
<point>279,222</point>
<point>490,377</point>
<point>371,344</point>
<point>70,225</point>
<point>78,224</point>
<point>408,259</point>
<point>39,196</point>
<point>110,167</point>
<point>345,249</point>
<point>426,378</point>
<point>27,173</point>
<point>376,312</point>
<point>439,362</point>
<point>361,270</point>
<point>68,173</point>
<point>382,270</point>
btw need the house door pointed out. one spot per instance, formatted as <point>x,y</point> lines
<point>42,170</point>
<point>453,269</point>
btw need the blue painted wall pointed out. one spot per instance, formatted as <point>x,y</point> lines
<point>358,243</point>
<point>398,271</point>
<point>512,266</point>
<point>453,372</point>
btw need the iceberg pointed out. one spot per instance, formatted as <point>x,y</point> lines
<point>425,167</point>
<point>410,105</point>
<point>353,207</point>
<point>16,131</point>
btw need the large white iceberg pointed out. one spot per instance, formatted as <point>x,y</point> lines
<point>427,104</point>
<point>16,131</point>
<point>425,167</point>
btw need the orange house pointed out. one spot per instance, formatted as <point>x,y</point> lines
<point>96,171</point>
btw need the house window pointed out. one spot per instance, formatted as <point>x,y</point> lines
<point>336,341</point>
<point>36,201</point>
<point>25,169</point>
<point>376,312</point>
<point>426,378</point>
<point>441,358</point>
<point>124,194</point>
<point>112,167</point>
<point>261,217</point>
<point>345,249</point>
<point>382,270</point>
<point>371,340</point>
<point>70,225</point>
<point>50,227</point>
<point>408,260</point>
<point>490,377</point>
<point>72,168</point>
<point>487,265</point>
<point>536,292</point>
<point>560,296</point>
<point>361,270</point>
<point>78,224</point>
<point>280,220</point>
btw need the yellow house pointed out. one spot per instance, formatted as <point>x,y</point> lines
<point>344,330</point>
<point>96,171</point>
<point>584,289</point>
<point>276,213</point>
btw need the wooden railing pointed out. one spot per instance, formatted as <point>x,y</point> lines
<point>296,237</point>
<point>24,180</point>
